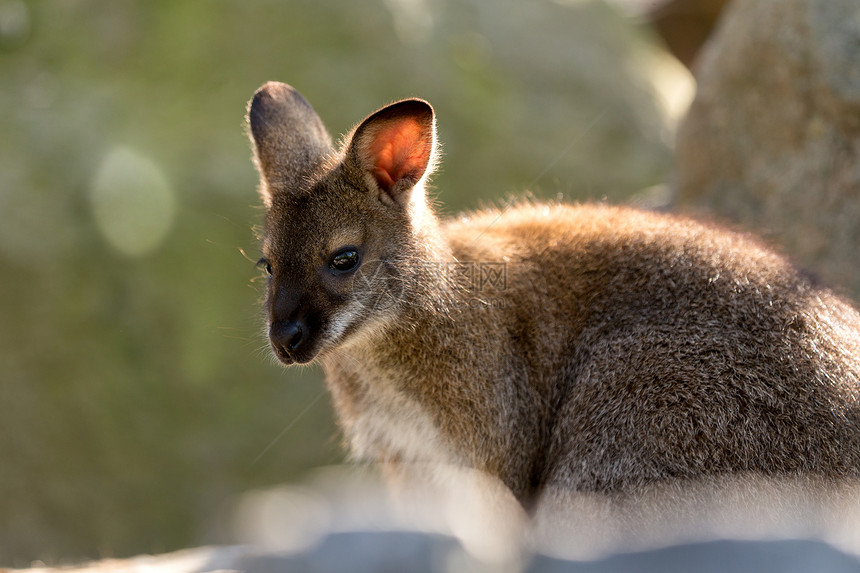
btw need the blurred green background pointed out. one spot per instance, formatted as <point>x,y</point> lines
<point>138,395</point>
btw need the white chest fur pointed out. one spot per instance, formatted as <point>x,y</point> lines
<point>390,424</point>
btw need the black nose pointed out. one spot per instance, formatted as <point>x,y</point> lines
<point>287,337</point>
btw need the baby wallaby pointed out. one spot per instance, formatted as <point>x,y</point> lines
<point>586,348</point>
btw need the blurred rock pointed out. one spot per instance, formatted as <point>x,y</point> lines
<point>773,556</point>
<point>772,140</point>
<point>383,552</point>
<point>344,519</point>
<point>398,551</point>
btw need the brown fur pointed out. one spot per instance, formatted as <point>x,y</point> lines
<point>622,348</point>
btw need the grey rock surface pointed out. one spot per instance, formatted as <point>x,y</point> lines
<point>772,140</point>
<point>394,552</point>
<point>399,551</point>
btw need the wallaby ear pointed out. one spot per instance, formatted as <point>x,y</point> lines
<point>394,147</point>
<point>288,137</point>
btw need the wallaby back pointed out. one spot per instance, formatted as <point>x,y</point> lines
<point>587,348</point>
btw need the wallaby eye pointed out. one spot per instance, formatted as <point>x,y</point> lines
<point>265,265</point>
<point>345,260</point>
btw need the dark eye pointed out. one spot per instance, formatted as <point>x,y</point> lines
<point>344,260</point>
<point>265,265</point>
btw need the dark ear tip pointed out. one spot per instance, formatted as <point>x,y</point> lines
<point>271,103</point>
<point>274,91</point>
<point>272,96</point>
<point>413,107</point>
<point>416,103</point>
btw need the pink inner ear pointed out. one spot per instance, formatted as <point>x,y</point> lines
<point>400,150</point>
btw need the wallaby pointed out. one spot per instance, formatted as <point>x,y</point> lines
<point>587,348</point>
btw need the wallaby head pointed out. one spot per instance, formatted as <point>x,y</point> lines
<point>330,277</point>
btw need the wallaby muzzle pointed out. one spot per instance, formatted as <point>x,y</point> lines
<point>294,326</point>
<point>287,339</point>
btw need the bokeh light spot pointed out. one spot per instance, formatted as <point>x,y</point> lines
<point>14,23</point>
<point>132,202</point>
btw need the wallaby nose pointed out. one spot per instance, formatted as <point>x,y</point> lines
<point>287,336</point>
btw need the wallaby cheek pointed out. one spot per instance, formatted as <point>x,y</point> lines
<point>378,286</point>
